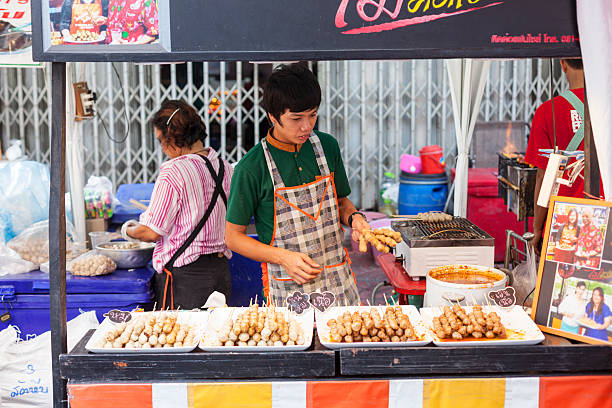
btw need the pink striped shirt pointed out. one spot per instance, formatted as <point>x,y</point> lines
<point>180,197</point>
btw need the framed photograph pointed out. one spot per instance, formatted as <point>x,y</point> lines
<point>573,296</point>
<point>94,26</point>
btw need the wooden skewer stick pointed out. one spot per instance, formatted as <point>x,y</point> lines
<point>473,300</point>
<point>386,302</point>
<point>487,299</point>
<point>138,204</point>
<point>255,298</point>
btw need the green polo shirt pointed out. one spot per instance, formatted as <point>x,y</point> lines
<point>252,192</point>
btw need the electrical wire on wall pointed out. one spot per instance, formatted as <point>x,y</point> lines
<point>127,120</point>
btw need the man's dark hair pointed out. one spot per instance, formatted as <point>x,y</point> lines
<point>292,87</point>
<point>581,283</point>
<point>575,63</point>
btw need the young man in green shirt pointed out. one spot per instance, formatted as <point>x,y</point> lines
<point>294,183</point>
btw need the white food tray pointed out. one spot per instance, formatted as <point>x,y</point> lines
<point>334,312</point>
<point>520,329</point>
<point>220,315</point>
<point>196,319</point>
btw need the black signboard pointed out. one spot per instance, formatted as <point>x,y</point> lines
<point>283,30</point>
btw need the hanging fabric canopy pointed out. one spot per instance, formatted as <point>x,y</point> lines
<point>595,28</point>
<point>467,79</point>
<point>75,152</point>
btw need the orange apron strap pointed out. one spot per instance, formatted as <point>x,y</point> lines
<point>168,275</point>
<point>348,258</point>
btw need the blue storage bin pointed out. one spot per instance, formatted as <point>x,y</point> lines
<point>422,193</point>
<point>246,280</point>
<point>26,296</point>
<point>125,211</point>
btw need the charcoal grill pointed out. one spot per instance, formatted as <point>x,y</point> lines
<point>427,245</point>
<point>516,184</point>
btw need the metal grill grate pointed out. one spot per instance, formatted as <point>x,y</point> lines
<point>458,228</point>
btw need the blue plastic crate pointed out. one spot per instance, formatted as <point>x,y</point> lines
<point>125,211</point>
<point>26,296</point>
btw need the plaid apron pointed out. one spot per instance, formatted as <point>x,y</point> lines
<point>307,220</point>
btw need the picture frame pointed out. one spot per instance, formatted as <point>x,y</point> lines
<point>574,285</point>
<point>89,30</point>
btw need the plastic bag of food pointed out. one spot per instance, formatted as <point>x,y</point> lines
<point>12,264</point>
<point>33,243</point>
<point>91,264</point>
<point>99,199</point>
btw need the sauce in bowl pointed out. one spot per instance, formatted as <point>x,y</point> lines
<point>463,274</point>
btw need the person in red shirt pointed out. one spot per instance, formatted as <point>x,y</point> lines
<point>568,122</point>
<point>133,21</point>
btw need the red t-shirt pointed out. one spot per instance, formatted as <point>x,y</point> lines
<point>541,136</point>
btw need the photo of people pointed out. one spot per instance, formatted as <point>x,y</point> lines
<point>598,316</point>
<point>581,302</point>
<point>577,235</point>
<point>106,22</point>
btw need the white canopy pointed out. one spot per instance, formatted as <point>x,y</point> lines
<point>595,29</point>
<point>75,152</point>
<point>467,79</point>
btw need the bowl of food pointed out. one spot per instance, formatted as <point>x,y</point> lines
<point>127,255</point>
<point>462,284</point>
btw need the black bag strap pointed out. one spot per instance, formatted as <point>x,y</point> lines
<point>218,178</point>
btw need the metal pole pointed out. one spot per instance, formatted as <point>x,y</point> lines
<point>591,164</point>
<point>57,231</point>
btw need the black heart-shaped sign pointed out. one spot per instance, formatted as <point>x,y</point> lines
<point>118,316</point>
<point>322,301</point>
<point>298,302</point>
<point>504,297</point>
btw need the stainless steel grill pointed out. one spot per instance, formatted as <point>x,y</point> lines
<point>456,232</point>
<point>427,245</point>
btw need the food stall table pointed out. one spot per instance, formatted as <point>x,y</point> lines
<point>508,392</point>
<point>81,365</point>
<point>534,376</point>
<point>403,284</point>
<point>554,355</point>
<point>354,34</point>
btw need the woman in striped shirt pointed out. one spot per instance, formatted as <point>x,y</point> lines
<point>191,190</point>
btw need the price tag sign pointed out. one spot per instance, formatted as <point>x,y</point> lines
<point>504,297</point>
<point>322,301</point>
<point>298,302</point>
<point>118,316</point>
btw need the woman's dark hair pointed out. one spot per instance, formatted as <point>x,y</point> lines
<point>591,304</point>
<point>581,283</point>
<point>575,63</point>
<point>179,123</point>
<point>292,87</point>
<point>568,217</point>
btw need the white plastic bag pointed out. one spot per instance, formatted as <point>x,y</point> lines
<point>92,264</point>
<point>24,196</point>
<point>15,151</point>
<point>89,263</point>
<point>33,243</point>
<point>525,277</point>
<point>12,264</point>
<point>99,199</point>
<point>26,365</point>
